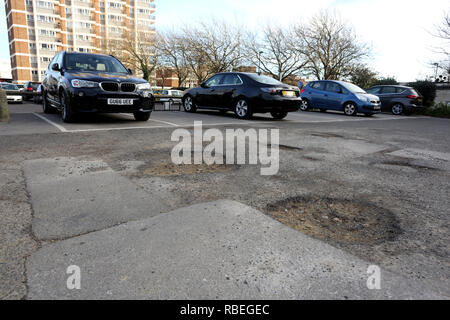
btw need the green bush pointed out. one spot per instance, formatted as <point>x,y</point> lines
<point>386,82</point>
<point>440,110</point>
<point>427,89</point>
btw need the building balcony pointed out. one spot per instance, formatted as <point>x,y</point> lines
<point>86,4</point>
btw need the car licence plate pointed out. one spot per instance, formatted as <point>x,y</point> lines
<point>120,102</point>
<point>288,93</point>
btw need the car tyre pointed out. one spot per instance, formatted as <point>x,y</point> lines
<point>304,105</point>
<point>189,105</point>
<point>350,109</point>
<point>66,111</point>
<point>142,116</point>
<point>279,115</point>
<point>243,109</point>
<point>397,109</point>
<point>46,106</point>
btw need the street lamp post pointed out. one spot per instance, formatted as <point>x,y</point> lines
<point>259,62</point>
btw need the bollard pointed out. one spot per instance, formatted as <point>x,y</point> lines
<point>4,111</point>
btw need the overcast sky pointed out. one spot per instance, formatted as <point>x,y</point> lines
<point>398,30</point>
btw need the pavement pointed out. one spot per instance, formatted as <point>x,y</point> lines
<point>102,194</point>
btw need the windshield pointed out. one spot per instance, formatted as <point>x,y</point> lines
<point>9,87</point>
<point>93,63</point>
<point>264,79</point>
<point>353,88</point>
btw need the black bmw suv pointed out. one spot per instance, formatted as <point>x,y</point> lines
<point>93,83</point>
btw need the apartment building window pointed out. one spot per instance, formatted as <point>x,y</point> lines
<point>114,17</point>
<point>47,46</point>
<point>29,3</point>
<point>45,19</point>
<point>115,5</point>
<point>102,4</point>
<point>102,17</point>
<point>82,37</point>
<point>46,59</point>
<point>144,11</point>
<point>47,33</point>
<point>34,72</point>
<point>32,45</point>
<point>84,25</point>
<point>83,11</point>
<point>33,59</point>
<point>29,17</point>
<point>44,4</point>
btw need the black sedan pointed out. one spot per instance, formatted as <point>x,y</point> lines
<point>89,83</point>
<point>245,94</point>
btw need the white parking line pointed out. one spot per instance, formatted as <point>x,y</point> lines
<point>160,121</point>
<point>59,127</point>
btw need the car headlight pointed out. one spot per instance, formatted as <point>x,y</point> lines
<point>77,83</point>
<point>144,86</point>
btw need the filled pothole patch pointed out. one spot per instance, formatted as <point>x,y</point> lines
<point>343,221</point>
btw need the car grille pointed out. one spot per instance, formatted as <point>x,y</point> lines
<point>128,87</point>
<point>110,86</point>
<point>115,87</point>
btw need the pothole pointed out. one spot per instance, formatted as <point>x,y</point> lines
<point>326,135</point>
<point>408,164</point>
<point>166,167</point>
<point>338,220</point>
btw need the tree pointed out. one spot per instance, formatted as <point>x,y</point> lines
<point>363,77</point>
<point>386,82</point>
<point>171,50</point>
<point>330,46</point>
<point>275,52</point>
<point>427,89</point>
<point>136,52</point>
<point>443,32</point>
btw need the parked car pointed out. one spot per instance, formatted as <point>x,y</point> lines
<point>86,83</point>
<point>340,96</point>
<point>175,96</point>
<point>29,90</point>
<point>20,86</point>
<point>245,94</point>
<point>13,93</point>
<point>398,99</point>
<point>38,96</point>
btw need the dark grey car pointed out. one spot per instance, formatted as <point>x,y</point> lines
<point>398,99</point>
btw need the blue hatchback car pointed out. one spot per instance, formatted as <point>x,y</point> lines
<point>338,95</point>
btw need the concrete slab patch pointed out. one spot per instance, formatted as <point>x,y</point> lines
<point>72,197</point>
<point>217,250</point>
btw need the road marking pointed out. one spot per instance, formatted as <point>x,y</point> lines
<point>160,121</point>
<point>59,127</point>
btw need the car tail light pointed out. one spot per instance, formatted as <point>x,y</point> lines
<point>29,89</point>
<point>303,90</point>
<point>413,96</point>
<point>269,90</point>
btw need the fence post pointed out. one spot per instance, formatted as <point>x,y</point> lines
<point>4,111</point>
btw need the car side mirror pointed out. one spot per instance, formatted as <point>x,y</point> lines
<point>55,67</point>
<point>130,71</point>
<point>204,85</point>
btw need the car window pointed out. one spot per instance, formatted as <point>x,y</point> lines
<point>93,63</point>
<point>318,85</point>
<point>333,87</point>
<point>231,79</point>
<point>10,87</point>
<point>389,90</point>
<point>264,79</point>
<point>400,90</point>
<point>214,81</point>
<point>374,90</point>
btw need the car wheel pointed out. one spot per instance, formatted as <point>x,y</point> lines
<point>189,105</point>
<point>304,106</point>
<point>397,109</point>
<point>279,115</point>
<point>46,106</point>
<point>66,110</point>
<point>350,109</point>
<point>141,116</point>
<point>242,109</point>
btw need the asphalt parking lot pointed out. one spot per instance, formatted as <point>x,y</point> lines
<point>103,194</point>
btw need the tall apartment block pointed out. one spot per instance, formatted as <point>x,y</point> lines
<point>38,29</point>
